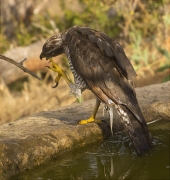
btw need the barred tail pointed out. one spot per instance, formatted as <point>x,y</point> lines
<point>137,131</point>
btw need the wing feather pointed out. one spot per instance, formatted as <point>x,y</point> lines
<point>110,48</point>
<point>92,38</point>
<point>104,73</point>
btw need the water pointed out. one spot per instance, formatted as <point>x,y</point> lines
<point>114,159</point>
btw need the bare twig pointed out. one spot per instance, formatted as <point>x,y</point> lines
<point>43,28</point>
<point>40,7</point>
<point>20,65</point>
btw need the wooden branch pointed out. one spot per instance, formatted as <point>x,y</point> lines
<point>19,65</point>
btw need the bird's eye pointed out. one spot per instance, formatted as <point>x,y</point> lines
<point>48,48</point>
<point>58,42</point>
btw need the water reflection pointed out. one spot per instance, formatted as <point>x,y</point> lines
<point>114,159</point>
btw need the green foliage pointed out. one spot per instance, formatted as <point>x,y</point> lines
<point>165,79</point>
<point>5,45</point>
<point>164,52</point>
<point>138,27</point>
<point>96,18</point>
<point>166,65</point>
<point>23,36</point>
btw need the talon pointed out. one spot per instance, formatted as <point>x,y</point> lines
<point>92,117</point>
<point>90,120</point>
<point>85,121</point>
<point>57,79</point>
<point>60,72</point>
<point>55,85</point>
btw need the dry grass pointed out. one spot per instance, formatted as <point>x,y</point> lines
<point>36,96</point>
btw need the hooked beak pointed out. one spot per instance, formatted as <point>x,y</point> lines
<point>42,55</point>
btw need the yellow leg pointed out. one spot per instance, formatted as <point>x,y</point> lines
<point>60,72</point>
<point>92,117</point>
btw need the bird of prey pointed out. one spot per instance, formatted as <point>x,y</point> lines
<point>100,64</point>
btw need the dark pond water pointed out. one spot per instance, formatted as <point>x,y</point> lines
<point>113,159</point>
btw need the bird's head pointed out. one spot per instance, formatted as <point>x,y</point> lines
<point>52,47</point>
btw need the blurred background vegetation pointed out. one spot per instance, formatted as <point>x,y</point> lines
<point>142,27</point>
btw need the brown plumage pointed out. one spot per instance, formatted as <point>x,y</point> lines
<point>100,64</point>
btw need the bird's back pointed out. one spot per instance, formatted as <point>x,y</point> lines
<point>104,66</point>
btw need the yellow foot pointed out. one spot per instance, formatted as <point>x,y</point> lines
<point>56,68</point>
<point>89,121</point>
<point>60,72</point>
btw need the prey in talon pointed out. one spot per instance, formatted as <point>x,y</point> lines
<point>99,63</point>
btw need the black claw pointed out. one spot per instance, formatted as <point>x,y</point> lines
<point>55,85</point>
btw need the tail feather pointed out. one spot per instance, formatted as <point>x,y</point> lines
<point>111,119</point>
<point>137,131</point>
<point>140,137</point>
<point>114,118</point>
